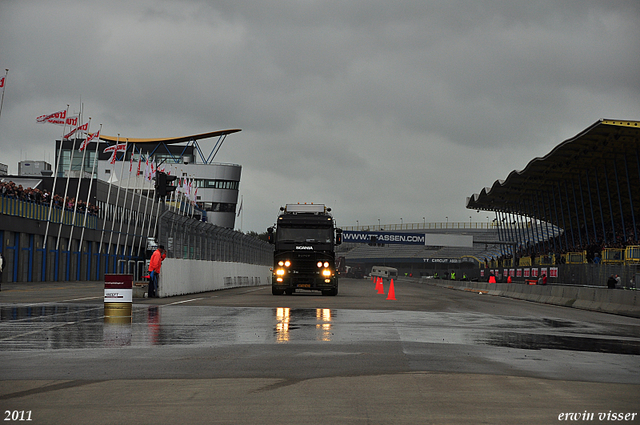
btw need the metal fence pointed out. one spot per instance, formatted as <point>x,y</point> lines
<point>186,238</point>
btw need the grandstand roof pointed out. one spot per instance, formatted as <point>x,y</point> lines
<point>580,176</point>
<point>170,140</point>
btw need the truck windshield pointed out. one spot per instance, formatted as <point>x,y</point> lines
<point>303,234</point>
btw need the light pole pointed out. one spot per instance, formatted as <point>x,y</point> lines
<point>379,227</point>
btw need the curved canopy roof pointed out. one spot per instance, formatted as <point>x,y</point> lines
<point>588,180</point>
<point>170,140</point>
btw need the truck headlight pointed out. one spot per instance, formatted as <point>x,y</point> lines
<point>280,272</point>
<point>326,272</point>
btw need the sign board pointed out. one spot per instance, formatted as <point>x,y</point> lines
<point>118,288</point>
<point>352,236</point>
<point>406,238</point>
<point>442,260</point>
<point>118,296</point>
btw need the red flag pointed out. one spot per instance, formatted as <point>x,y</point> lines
<point>2,83</point>
<point>59,118</point>
<point>60,115</point>
<point>89,138</point>
<point>115,149</point>
<point>84,127</point>
<point>147,170</point>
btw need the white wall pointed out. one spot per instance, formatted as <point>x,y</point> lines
<point>179,277</point>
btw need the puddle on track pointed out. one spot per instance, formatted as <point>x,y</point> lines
<point>76,326</point>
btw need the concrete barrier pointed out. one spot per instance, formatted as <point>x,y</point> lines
<point>180,277</point>
<point>623,302</point>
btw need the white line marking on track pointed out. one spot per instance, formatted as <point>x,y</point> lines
<point>185,301</point>
<point>78,299</point>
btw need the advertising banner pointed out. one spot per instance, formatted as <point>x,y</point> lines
<point>352,236</point>
<point>443,260</point>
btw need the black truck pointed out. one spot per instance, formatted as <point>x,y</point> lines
<point>304,257</point>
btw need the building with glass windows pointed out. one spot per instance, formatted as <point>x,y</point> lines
<point>215,185</point>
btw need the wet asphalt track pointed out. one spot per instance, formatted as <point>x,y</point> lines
<point>433,355</point>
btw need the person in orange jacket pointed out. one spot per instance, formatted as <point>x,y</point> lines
<point>509,279</point>
<point>154,269</point>
<point>492,278</point>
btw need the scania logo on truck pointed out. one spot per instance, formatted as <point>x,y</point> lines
<point>310,248</point>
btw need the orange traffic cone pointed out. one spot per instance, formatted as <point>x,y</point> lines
<point>392,292</point>
<point>380,286</point>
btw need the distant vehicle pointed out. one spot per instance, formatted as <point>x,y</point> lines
<point>305,237</point>
<point>384,272</point>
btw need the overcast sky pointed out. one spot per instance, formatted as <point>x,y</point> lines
<point>381,109</point>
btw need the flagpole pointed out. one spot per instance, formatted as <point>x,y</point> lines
<point>123,160</point>
<point>113,170</point>
<point>4,85</point>
<point>66,190</point>
<point>135,227</point>
<point>146,203</point>
<point>157,209</point>
<point>126,239</point>
<point>93,170</point>
<point>84,155</point>
<point>157,213</point>
<point>53,188</point>
<point>126,192</point>
<point>113,221</point>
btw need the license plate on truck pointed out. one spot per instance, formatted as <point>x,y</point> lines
<point>304,285</point>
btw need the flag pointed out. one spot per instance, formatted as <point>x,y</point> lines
<point>2,83</point>
<point>60,115</point>
<point>59,118</point>
<point>89,138</point>
<point>83,128</point>
<point>146,169</point>
<point>192,191</point>
<point>131,163</point>
<point>115,149</point>
<point>150,169</point>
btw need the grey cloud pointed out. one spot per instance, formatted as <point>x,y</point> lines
<point>389,109</point>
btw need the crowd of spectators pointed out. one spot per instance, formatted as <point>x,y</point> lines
<point>43,197</point>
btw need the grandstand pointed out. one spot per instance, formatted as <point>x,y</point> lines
<point>588,187</point>
<point>572,214</point>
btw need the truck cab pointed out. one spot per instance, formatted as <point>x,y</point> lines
<point>305,237</point>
